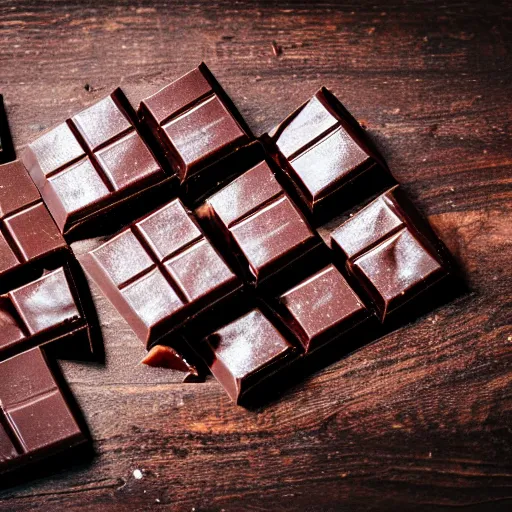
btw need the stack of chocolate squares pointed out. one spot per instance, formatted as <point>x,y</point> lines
<point>236,254</point>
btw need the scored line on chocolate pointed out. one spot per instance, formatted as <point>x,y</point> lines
<point>260,208</point>
<point>315,141</point>
<point>11,432</point>
<point>189,107</point>
<point>159,264</point>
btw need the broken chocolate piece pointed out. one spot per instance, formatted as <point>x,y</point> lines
<point>322,149</point>
<point>161,356</point>
<point>243,353</point>
<point>391,251</point>
<point>195,122</point>
<point>321,308</point>
<point>35,420</point>
<point>256,220</point>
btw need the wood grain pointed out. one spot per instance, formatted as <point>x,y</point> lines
<point>419,420</point>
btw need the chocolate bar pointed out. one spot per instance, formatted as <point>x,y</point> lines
<point>29,237</point>
<point>94,162</point>
<point>160,272</point>
<point>245,352</point>
<point>35,419</point>
<point>391,251</point>
<point>322,149</point>
<point>7,153</point>
<point>320,308</point>
<point>47,310</point>
<point>256,220</point>
<point>195,122</point>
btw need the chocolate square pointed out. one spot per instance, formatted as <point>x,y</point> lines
<point>258,221</point>
<point>321,148</point>
<point>161,271</point>
<point>321,308</point>
<point>94,162</point>
<point>195,122</point>
<point>245,352</point>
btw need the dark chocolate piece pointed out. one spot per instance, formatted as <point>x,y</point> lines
<point>43,311</point>
<point>94,162</point>
<point>245,352</point>
<point>321,148</point>
<point>321,308</point>
<point>28,234</point>
<point>7,152</point>
<point>259,222</point>
<point>391,250</point>
<point>195,122</point>
<point>35,420</point>
<point>161,356</point>
<point>160,272</point>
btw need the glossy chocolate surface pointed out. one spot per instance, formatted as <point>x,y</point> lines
<point>92,163</point>
<point>7,153</point>
<point>320,308</point>
<point>391,251</point>
<point>195,122</point>
<point>259,222</point>
<point>160,272</point>
<point>40,312</point>
<point>246,351</point>
<point>35,420</point>
<point>28,233</point>
<point>319,149</point>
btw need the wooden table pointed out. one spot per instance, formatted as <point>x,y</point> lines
<point>420,420</point>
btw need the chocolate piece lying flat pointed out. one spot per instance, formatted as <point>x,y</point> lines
<point>321,148</point>
<point>259,222</point>
<point>161,356</point>
<point>160,272</point>
<point>7,153</point>
<point>43,311</point>
<point>35,420</point>
<point>321,308</point>
<point>195,121</point>
<point>92,163</point>
<point>28,233</point>
<point>391,250</point>
<point>245,352</point>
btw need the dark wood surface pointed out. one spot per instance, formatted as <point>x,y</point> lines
<point>421,419</point>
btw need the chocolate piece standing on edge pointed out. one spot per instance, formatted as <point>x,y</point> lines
<point>7,152</point>
<point>94,162</point>
<point>43,311</point>
<point>391,250</point>
<point>28,234</point>
<point>195,122</point>
<point>160,272</point>
<point>257,220</point>
<point>322,149</point>
<point>321,308</point>
<point>245,352</point>
<point>161,356</point>
<point>35,420</point>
